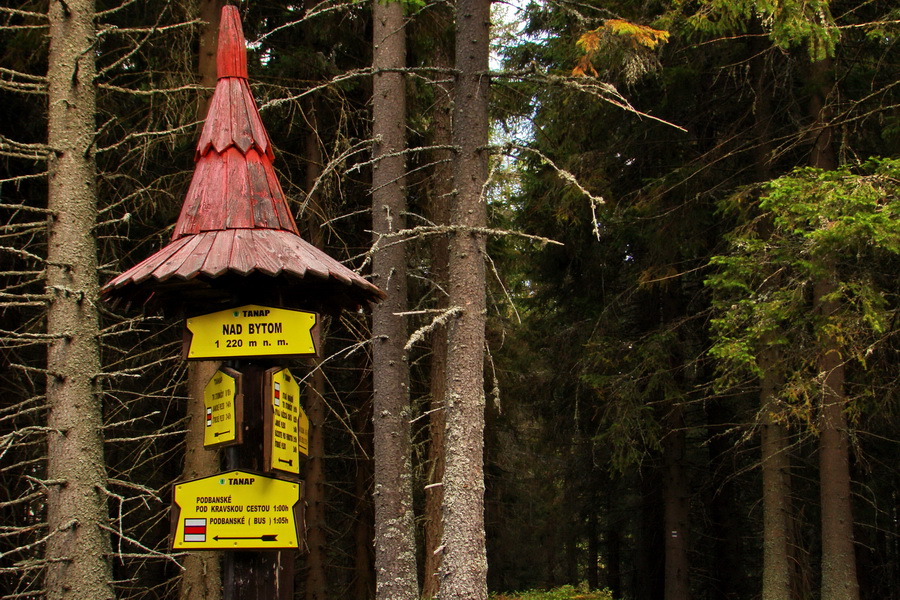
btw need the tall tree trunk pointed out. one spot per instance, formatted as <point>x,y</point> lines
<point>314,489</point>
<point>395,549</point>
<point>777,511</point>
<point>78,547</point>
<point>202,578</point>
<point>439,204</point>
<point>776,486</point>
<point>839,579</point>
<point>209,12</point>
<point>464,563</point>
<point>775,461</point>
<point>676,499</point>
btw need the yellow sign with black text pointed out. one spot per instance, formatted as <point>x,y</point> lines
<point>236,510</point>
<point>286,424</point>
<point>252,330</point>
<point>224,409</point>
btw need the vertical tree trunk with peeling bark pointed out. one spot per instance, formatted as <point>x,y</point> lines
<point>78,547</point>
<point>463,563</point>
<point>395,551</point>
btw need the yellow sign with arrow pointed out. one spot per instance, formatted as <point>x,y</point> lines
<point>285,425</point>
<point>224,409</point>
<point>237,510</point>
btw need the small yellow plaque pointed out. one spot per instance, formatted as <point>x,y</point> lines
<point>252,330</point>
<point>286,424</point>
<point>224,409</point>
<point>236,510</point>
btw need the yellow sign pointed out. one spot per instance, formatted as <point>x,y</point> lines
<point>224,406</point>
<point>286,425</point>
<point>252,330</point>
<point>236,510</point>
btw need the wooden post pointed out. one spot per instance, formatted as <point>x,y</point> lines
<point>236,243</point>
<point>255,574</point>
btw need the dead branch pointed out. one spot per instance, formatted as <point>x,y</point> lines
<point>115,9</point>
<point>189,87</point>
<point>23,13</point>
<point>438,321</point>
<point>146,134</point>
<point>33,84</point>
<point>148,32</point>
<point>315,11</point>
<point>24,207</point>
<point>61,528</point>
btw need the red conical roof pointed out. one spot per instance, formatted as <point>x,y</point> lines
<point>235,219</point>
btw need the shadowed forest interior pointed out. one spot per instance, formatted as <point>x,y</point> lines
<point>679,242</point>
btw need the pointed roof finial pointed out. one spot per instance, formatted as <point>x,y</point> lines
<point>231,58</point>
<point>235,234</point>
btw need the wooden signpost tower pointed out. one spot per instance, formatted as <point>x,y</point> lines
<point>251,291</point>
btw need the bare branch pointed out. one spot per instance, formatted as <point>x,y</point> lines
<point>315,11</point>
<point>23,13</point>
<point>148,33</point>
<point>116,9</point>
<point>438,321</point>
<point>153,91</point>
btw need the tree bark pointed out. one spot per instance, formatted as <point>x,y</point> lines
<point>839,578</point>
<point>464,564</point>
<point>776,487</point>
<point>395,550</point>
<point>210,12</point>
<point>775,461</point>
<point>439,204</point>
<point>202,577</point>
<point>314,488</point>
<point>78,547</point>
<point>316,584</point>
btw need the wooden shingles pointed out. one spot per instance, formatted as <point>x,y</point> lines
<point>235,217</point>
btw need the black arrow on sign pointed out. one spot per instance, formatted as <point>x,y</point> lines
<point>264,538</point>
<point>218,433</point>
<point>290,462</point>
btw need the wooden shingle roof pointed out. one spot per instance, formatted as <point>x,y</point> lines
<point>235,238</point>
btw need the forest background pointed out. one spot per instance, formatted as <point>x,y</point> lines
<point>690,284</point>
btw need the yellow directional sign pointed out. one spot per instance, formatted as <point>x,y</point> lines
<point>252,330</point>
<point>286,426</point>
<point>224,409</point>
<point>236,510</point>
